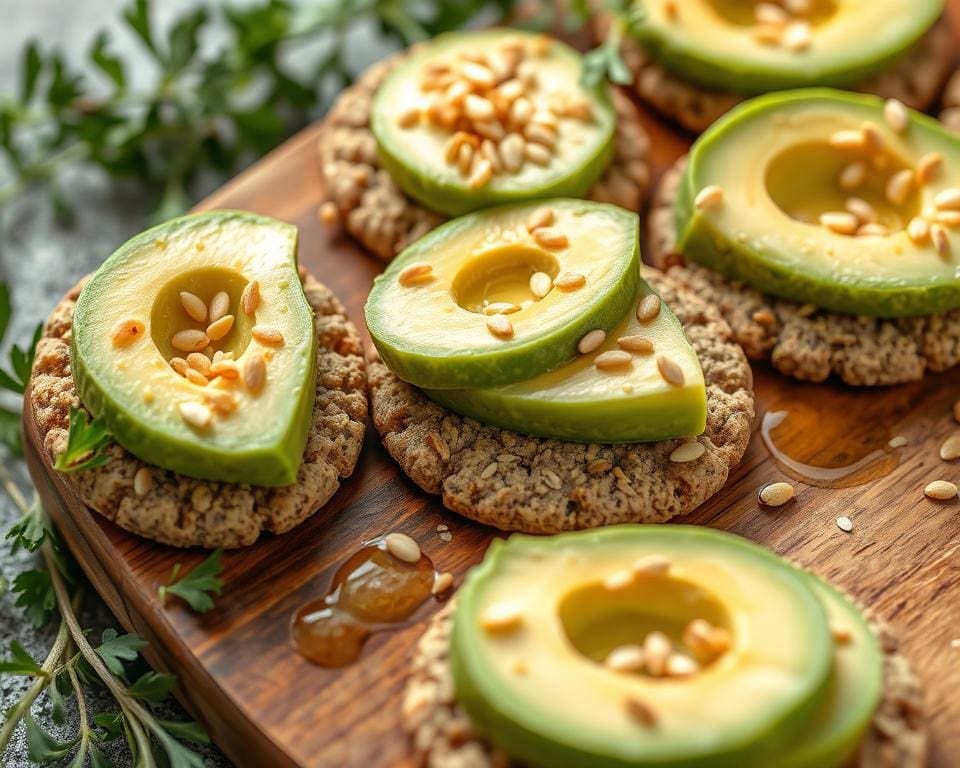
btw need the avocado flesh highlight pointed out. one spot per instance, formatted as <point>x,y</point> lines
<point>414,156</point>
<point>833,736</point>
<point>434,335</point>
<point>135,389</point>
<point>580,402</point>
<point>712,43</point>
<point>752,238</point>
<point>567,709</point>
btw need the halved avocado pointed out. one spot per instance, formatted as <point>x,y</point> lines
<point>778,172</point>
<point>254,436</point>
<point>720,43</point>
<point>535,688</point>
<point>579,401</point>
<point>833,735</point>
<point>433,332</point>
<point>414,155</point>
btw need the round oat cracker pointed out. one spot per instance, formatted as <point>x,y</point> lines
<point>443,736</point>
<point>915,79</point>
<point>520,483</point>
<point>799,339</point>
<point>183,511</point>
<point>377,213</point>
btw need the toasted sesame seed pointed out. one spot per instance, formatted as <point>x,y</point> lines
<point>844,523</point>
<point>847,140</point>
<point>481,174</point>
<point>948,199</point>
<point>768,34</point>
<point>798,7</point>
<point>550,237</point>
<point>598,466</point>
<point>267,334</point>
<point>950,449</point>
<point>899,186</point>
<point>941,490</point>
<point>873,139</point>
<point>541,217</point>
<point>179,365</point>
<point>687,452</point>
<point>648,308</point>
<point>652,565</point>
<point>840,222</point>
<point>402,547</point>
<point>415,274</point>
<point>940,239</point>
<point>194,307</point>
<point>500,326</point>
<point>852,176</point>
<point>328,213</point>
<point>501,308</point>
<point>947,218</point>
<point>227,369</point>
<point>636,343</point>
<point>195,377</point>
<point>872,230</point>
<point>842,634</point>
<point>618,580</point>
<point>142,481</point>
<point>681,665</point>
<point>896,115</point>
<point>861,209</point>
<point>220,328</point>
<point>591,341</point>
<point>709,197</point>
<point>927,167</point>
<point>625,658</point>
<point>569,281</point>
<point>489,471</point>
<point>776,494</point>
<point>656,650</point>
<point>478,74</point>
<point>797,36</point>
<point>501,618</point>
<point>250,299</point>
<point>199,362</point>
<point>189,341</point>
<point>126,332</point>
<point>769,13</point>
<point>613,359</point>
<point>512,150</point>
<point>409,117</point>
<point>465,158</point>
<point>640,711</point>
<point>540,284</point>
<point>537,153</point>
<point>764,317</point>
<point>222,402</point>
<point>219,306</point>
<point>442,582</point>
<point>195,414</point>
<point>670,371</point>
<point>918,230</point>
<point>897,442</point>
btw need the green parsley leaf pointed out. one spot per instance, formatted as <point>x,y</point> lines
<point>11,436</point>
<point>97,758</point>
<point>111,723</point>
<point>42,747</point>
<point>85,443</point>
<point>30,531</point>
<point>35,595</point>
<point>178,755</point>
<point>58,707</point>
<point>197,586</point>
<point>115,649</point>
<point>21,662</point>
<point>189,731</point>
<point>21,361</point>
<point>152,686</point>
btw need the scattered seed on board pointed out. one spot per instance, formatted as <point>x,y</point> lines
<point>591,341</point>
<point>250,300</point>
<point>569,281</point>
<point>636,343</point>
<point>898,441</point>
<point>501,618</point>
<point>648,308</point>
<point>220,328</point>
<point>402,547</point>
<point>195,414</point>
<point>219,306</point>
<point>442,582</point>
<point>845,524</point>
<point>950,449</point>
<point>500,326</point>
<point>670,371</point>
<point>190,341</point>
<point>625,658</point>
<point>541,217</point>
<point>415,274</point>
<point>126,332</point>
<point>687,452</point>
<point>194,307</point>
<point>776,494</point>
<point>268,335</point>
<point>941,490</point>
<point>896,115</point>
<point>142,481</point>
<point>614,359</point>
<point>445,536</point>
<point>709,197</point>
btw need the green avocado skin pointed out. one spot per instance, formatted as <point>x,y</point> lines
<point>699,241</point>
<point>532,749</point>
<point>511,361</point>
<point>276,464</point>
<point>728,74</point>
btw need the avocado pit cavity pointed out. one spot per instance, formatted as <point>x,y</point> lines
<point>505,279</point>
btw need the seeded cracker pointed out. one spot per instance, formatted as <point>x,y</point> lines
<point>443,736</point>
<point>801,340</point>
<point>385,220</point>
<point>521,483</point>
<point>915,79</point>
<point>185,512</point>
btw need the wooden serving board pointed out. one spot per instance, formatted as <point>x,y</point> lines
<point>266,706</point>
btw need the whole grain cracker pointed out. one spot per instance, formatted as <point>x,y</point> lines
<point>183,511</point>
<point>385,220</point>
<point>547,486</point>
<point>801,340</point>
<point>915,79</point>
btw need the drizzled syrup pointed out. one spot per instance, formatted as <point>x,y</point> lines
<point>371,592</point>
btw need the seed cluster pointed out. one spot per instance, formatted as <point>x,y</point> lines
<point>783,24</point>
<point>216,371</point>
<point>491,102</point>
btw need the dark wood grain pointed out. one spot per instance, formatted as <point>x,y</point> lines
<point>265,706</point>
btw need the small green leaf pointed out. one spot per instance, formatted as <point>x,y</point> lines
<point>6,309</point>
<point>184,39</point>
<point>97,758</point>
<point>178,755</point>
<point>30,530</point>
<point>21,662</point>
<point>188,731</point>
<point>32,64</point>
<point>115,649</point>
<point>11,436</point>
<point>137,16</point>
<point>21,361</point>
<point>85,443</point>
<point>106,62</point>
<point>35,595</point>
<point>152,686</point>
<point>197,586</point>
<point>58,707</point>
<point>112,725</point>
<point>42,747</point>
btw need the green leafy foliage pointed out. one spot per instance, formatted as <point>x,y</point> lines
<point>35,595</point>
<point>42,747</point>
<point>115,649</point>
<point>85,443</point>
<point>14,379</point>
<point>153,687</point>
<point>198,586</point>
<point>21,662</point>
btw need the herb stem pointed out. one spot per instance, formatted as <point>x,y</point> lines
<point>6,479</point>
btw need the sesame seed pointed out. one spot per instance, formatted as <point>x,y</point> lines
<point>941,490</point>
<point>948,198</point>
<point>541,217</point>
<point>927,167</point>
<point>613,359</point>
<point>652,565</point>
<point>648,308</point>
<point>179,365</point>
<point>640,711</point>
<point>195,414</point>
<point>618,580</point>
<point>537,153</point>
<point>847,140</point>
<point>845,524</point>
<point>126,332</point>
<point>194,307</point>
<point>190,341</point>
<point>797,36</point>
<point>415,274</point>
<point>328,213</point>
<point>222,402</point>
<point>899,186</point>
<point>501,308</point>
<point>918,230</point>
<point>446,536</point>
<point>199,362</point>
<point>625,658</point>
<point>220,328</point>
<point>896,115</point>
<point>897,442</point>
<point>549,237</point>
<point>441,583</point>
<point>409,117</point>
<point>656,650</point>
<point>501,618</point>
<point>478,74</point>
<point>512,150</point>
<point>481,174</point>
<point>500,326</point>
<point>861,209</point>
<point>195,377</point>
<point>709,197</point>
<point>947,218</point>
<point>598,466</point>
<point>219,306</point>
<point>636,343</point>
<point>840,222</point>
<point>267,334</point>
<point>686,452</point>
<point>227,369</point>
<point>569,281</point>
<point>670,371</point>
<point>941,240</point>
<point>768,34</point>
<point>873,139</point>
<point>776,494</point>
<point>250,299</point>
<point>681,665</point>
<point>842,634</point>
<point>769,13</point>
<point>402,547</point>
<point>142,481</point>
<point>591,341</point>
<point>852,176</point>
<point>872,230</point>
<point>489,471</point>
<point>540,284</point>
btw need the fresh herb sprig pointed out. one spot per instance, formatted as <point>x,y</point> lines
<point>86,440</point>
<point>197,586</point>
<point>13,378</point>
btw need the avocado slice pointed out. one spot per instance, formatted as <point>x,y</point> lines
<point>432,330</point>
<point>579,401</point>
<point>776,161</point>
<point>237,428</point>
<point>535,688</point>
<point>721,44</point>
<point>832,737</point>
<point>413,149</point>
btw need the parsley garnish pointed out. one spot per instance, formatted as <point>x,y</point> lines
<point>196,586</point>
<point>85,443</point>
